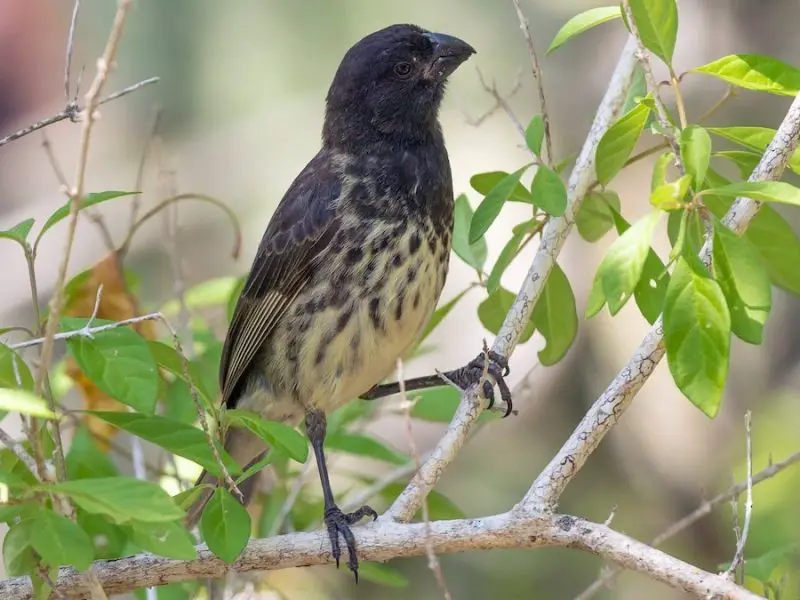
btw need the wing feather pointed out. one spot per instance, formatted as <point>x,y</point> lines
<point>290,250</point>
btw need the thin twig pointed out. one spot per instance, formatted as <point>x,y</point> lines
<point>125,246</point>
<point>139,184</point>
<point>53,160</point>
<point>661,110</point>
<point>693,517</point>
<point>536,71</point>
<point>433,561</point>
<point>68,54</point>
<point>89,331</point>
<point>500,103</point>
<point>104,64</point>
<point>741,542</point>
<point>72,113</point>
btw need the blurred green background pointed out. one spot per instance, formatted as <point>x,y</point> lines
<point>242,91</point>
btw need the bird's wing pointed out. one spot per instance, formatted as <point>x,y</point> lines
<point>296,238</point>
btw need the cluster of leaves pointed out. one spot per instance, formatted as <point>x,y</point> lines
<point>155,390</point>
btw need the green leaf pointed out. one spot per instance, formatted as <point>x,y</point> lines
<point>60,541</point>
<point>491,205</point>
<point>362,445</point>
<point>596,300</point>
<point>121,498</point>
<point>764,191</point>
<point>502,262</point>
<point>652,287</point>
<point>472,254</point>
<point>225,525</point>
<point>492,312</point>
<point>697,328</point>
<point>657,23</point>
<point>659,177</point>
<point>483,183</point>
<point>745,283</point>
<point>440,313</point>
<point>186,498</point>
<point>745,160</point>
<point>596,215</point>
<point>87,201</point>
<point>774,239</point>
<point>86,460</point>
<point>18,556</point>
<point>756,139</point>
<point>277,435</point>
<point>762,567</point>
<point>164,539</point>
<point>623,263</point>
<point>169,359</point>
<point>534,134</point>
<point>23,402</point>
<point>670,196</point>
<point>176,437</point>
<point>19,232</point>
<point>581,22</point>
<point>436,404</point>
<point>636,91</point>
<point>549,192</point>
<point>119,362</point>
<point>755,72</point>
<point>778,246</point>
<point>556,317</point>
<point>14,371</point>
<point>696,152</point>
<point>382,574</point>
<point>618,142</point>
<point>10,512</point>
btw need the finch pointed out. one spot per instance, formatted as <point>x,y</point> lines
<point>353,261</point>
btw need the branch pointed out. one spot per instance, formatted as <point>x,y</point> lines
<point>608,409</point>
<point>383,540</point>
<point>553,237</point>
<point>693,517</point>
<point>661,110</point>
<point>536,71</point>
<point>73,111</point>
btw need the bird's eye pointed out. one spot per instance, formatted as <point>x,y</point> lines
<point>402,69</point>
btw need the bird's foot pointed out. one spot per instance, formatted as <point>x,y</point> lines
<point>339,522</point>
<point>477,369</point>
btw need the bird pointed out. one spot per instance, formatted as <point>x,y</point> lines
<point>353,260</point>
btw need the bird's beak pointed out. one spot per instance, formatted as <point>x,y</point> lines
<point>448,53</point>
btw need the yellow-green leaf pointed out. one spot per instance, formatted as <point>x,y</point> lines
<point>755,72</point>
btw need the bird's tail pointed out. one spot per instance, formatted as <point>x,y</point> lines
<point>246,449</point>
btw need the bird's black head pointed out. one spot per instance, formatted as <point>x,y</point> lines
<point>390,85</point>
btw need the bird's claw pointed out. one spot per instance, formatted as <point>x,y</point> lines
<point>473,373</point>
<point>339,522</point>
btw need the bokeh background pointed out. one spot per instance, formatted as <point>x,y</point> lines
<point>242,90</point>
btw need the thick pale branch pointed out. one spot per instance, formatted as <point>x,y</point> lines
<point>553,237</point>
<point>608,409</point>
<point>385,540</point>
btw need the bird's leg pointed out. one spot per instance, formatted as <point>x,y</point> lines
<point>464,377</point>
<point>336,521</point>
